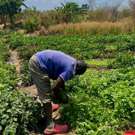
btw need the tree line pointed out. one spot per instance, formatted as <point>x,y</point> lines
<point>68,12</point>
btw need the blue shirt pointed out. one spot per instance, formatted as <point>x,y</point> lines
<point>57,64</point>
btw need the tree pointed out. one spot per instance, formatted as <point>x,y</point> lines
<point>113,9</point>
<point>67,12</point>
<point>132,6</point>
<point>85,7</point>
<point>91,4</point>
<point>8,8</point>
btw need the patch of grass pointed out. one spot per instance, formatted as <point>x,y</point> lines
<point>99,62</point>
<point>101,103</point>
<point>93,28</point>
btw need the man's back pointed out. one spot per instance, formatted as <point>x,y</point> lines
<point>57,64</point>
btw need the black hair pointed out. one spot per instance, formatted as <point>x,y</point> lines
<point>81,67</point>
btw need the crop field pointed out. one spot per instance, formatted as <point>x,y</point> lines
<point>102,102</point>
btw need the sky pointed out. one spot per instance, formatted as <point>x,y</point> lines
<point>51,4</point>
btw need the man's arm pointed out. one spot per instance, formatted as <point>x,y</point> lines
<point>57,86</point>
<point>57,91</point>
<point>63,77</point>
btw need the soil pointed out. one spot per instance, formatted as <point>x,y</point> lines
<point>14,60</point>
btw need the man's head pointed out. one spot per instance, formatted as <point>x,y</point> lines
<point>80,67</point>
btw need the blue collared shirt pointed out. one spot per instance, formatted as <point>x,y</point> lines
<point>57,64</point>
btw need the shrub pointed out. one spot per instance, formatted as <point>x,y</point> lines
<point>123,60</point>
<point>31,24</point>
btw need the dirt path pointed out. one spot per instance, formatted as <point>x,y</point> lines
<point>14,60</point>
<point>30,90</point>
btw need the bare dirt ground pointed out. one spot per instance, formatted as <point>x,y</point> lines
<point>30,90</point>
<point>14,60</point>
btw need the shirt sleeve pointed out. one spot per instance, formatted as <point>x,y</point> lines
<point>66,75</point>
